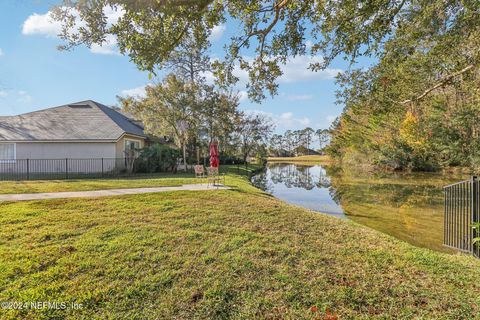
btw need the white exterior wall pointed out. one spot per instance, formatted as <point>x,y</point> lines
<point>62,150</point>
<point>50,157</point>
<point>83,157</point>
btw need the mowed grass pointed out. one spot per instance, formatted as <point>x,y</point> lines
<point>234,254</point>
<point>310,158</point>
<point>139,181</point>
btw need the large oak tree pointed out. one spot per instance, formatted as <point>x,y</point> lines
<point>150,31</point>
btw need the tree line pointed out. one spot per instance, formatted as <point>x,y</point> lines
<point>194,115</point>
<point>299,142</point>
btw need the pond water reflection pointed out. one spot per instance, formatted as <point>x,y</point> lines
<point>406,206</point>
<point>306,186</point>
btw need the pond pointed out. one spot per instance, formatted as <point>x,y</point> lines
<point>408,206</point>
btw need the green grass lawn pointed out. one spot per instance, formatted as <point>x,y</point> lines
<point>215,255</point>
<point>139,181</point>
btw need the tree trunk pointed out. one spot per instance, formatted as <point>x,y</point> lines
<point>185,157</point>
<point>197,149</point>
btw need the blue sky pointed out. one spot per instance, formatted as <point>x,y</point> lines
<point>35,75</point>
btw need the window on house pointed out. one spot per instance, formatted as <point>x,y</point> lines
<point>132,145</point>
<point>7,152</point>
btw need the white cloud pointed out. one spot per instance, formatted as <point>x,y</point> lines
<point>1,52</point>
<point>3,93</point>
<point>113,14</point>
<point>108,47</point>
<point>24,97</point>
<point>209,77</point>
<point>217,32</point>
<point>302,97</point>
<point>242,95</point>
<point>242,75</point>
<point>330,119</point>
<point>284,121</point>
<point>288,120</point>
<point>46,25</point>
<point>137,92</point>
<point>42,24</point>
<point>296,69</point>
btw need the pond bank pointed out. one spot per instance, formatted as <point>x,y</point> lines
<point>239,254</point>
<point>408,206</point>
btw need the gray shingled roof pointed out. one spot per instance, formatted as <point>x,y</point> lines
<point>86,120</point>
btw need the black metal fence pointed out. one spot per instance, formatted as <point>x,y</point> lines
<point>43,169</point>
<point>462,207</point>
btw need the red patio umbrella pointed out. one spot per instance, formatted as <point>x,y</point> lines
<point>214,160</point>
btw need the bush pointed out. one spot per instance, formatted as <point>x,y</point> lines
<point>157,158</point>
<point>224,160</point>
<point>231,160</point>
<point>261,156</point>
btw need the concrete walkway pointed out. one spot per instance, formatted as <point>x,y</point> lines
<point>105,193</point>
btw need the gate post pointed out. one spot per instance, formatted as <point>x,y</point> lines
<point>66,168</point>
<point>475,217</point>
<point>28,169</point>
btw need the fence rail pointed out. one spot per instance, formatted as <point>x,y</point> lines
<point>462,207</point>
<point>40,169</point>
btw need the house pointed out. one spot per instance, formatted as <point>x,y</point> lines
<point>82,130</point>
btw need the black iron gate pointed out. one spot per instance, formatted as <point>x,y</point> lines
<point>462,209</point>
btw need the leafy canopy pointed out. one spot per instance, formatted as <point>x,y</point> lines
<point>150,31</point>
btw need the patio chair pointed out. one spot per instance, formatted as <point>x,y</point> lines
<point>199,171</point>
<point>214,177</point>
